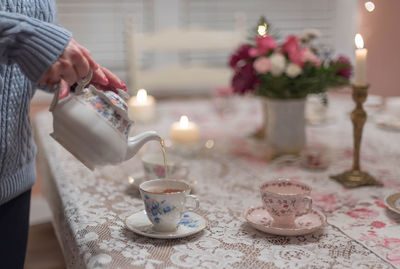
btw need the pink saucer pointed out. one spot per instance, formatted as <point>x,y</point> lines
<point>259,218</point>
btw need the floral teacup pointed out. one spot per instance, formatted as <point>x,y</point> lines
<point>285,200</point>
<point>165,202</point>
<point>153,165</point>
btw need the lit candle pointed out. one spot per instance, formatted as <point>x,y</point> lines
<point>184,132</point>
<point>141,107</point>
<point>360,70</point>
<point>262,29</point>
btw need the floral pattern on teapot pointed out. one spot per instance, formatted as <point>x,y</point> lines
<point>116,100</point>
<point>106,110</point>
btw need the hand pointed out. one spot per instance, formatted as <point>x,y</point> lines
<point>74,64</point>
<point>104,80</point>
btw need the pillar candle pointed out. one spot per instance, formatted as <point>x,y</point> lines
<point>141,107</point>
<point>184,132</point>
<point>360,69</point>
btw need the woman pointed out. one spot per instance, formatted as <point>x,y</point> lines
<point>34,52</point>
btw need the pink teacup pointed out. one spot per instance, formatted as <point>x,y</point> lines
<point>285,200</point>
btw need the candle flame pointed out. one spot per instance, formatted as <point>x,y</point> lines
<point>141,96</point>
<point>370,6</point>
<point>184,122</point>
<point>359,41</point>
<point>262,29</point>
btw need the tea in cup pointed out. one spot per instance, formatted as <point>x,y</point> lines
<point>153,165</point>
<point>285,200</point>
<point>165,202</point>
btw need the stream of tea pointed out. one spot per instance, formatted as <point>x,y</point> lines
<point>165,157</point>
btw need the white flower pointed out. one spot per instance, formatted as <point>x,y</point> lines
<point>262,65</point>
<point>293,70</point>
<point>278,63</point>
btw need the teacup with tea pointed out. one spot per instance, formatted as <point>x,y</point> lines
<point>154,167</point>
<point>285,200</point>
<point>165,202</point>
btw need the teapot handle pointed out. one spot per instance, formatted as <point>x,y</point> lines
<point>79,89</point>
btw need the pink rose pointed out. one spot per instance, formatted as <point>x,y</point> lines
<point>309,56</point>
<point>378,224</point>
<point>244,79</point>
<point>253,52</point>
<point>363,213</point>
<point>293,50</point>
<point>346,70</point>
<point>262,65</point>
<point>242,53</point>
<point>264,44</point>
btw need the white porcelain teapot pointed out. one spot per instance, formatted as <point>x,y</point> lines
<point>94,126</point>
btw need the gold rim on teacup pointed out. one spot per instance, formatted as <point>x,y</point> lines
<point>150,182</point>
<point>263,186</point>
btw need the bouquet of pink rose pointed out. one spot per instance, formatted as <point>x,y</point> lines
<point>285,71</point>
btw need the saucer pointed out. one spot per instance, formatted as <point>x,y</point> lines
<point>388,122</point>
<point>393,202</point>
<point>259,218</point>
<point>190,223</point>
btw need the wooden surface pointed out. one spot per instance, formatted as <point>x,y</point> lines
<point>43,251</point>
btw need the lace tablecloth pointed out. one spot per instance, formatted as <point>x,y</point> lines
<point>90,208</point>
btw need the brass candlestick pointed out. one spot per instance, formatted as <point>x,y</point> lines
<point>355,177</point>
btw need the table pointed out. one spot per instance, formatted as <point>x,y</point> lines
<point>90,208</point>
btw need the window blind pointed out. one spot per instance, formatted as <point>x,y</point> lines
<point>99,26</point>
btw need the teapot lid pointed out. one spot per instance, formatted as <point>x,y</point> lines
<point>115,100</point>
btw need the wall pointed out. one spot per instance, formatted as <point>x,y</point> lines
<point>380,30</point>
<point>345,27</point>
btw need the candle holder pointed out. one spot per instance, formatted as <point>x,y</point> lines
<point>355,177</point>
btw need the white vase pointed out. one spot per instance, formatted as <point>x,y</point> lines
<point>284,125</point>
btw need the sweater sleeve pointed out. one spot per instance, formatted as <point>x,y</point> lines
<point>33,44</point>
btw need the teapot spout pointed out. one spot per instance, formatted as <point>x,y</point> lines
<point>136,142</point>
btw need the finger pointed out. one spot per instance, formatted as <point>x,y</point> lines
<point>89,58</point>
<point>70,76</point>
<point>43,80</point>
<point>53,76</point>
<point>50,86</point>
<point>114,80</point>
<point>64,89</point>
<point>51,83</point>
<point>92,63</point>
<point>82,67</point>
<point>105,88</point>
<point>50,73</point>
<point>100,77</point>
<point>85,51</point>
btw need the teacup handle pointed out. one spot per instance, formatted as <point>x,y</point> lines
<point>195,199</point>
<point>308,201</point>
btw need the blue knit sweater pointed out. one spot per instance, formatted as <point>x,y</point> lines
<point>30,43</point>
